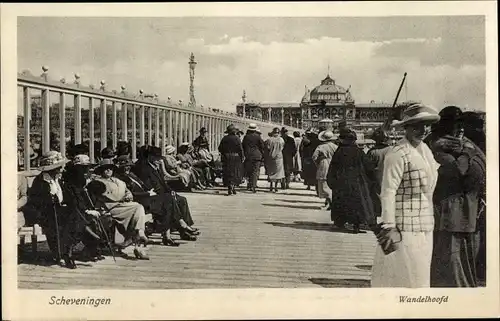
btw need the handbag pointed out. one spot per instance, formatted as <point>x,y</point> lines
<point>388,238</point>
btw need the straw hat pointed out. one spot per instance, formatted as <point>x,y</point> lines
<point>105,164</point>
<point>326,136</point>
<point>252,127</point>
<point>52,160</point>
<point>82,160</point>
<point>169,149</point>
<point>124,160</point>
<point>417,113</point>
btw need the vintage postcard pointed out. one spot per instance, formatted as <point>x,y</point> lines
<point>250,160</point>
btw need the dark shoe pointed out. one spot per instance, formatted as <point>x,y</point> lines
<point>234,191</point>
<point>169,242</point>
<point>69,262</point>
<point>140,256</point>
<point>254,190</point>
<point>192,232</point>
<point>187,237</point>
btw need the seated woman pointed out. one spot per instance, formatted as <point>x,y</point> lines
<point>164,206</point>
<point>47,202</point>
<point>75,177</point>
<point>203,160</point>
<point>113,195</point>
<point>187,162</point>
<point>172,166</point>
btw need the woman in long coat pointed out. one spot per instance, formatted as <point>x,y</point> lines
<point>350,184</point>
<point>231,152</point>
<point>460,189</point>
<point>173,168</point>
<point>309,144</point>
<point>274,159</point>
<point>46,202</point>
<point>187,162</point>
<point>322,157</point>
<point>113,195</point>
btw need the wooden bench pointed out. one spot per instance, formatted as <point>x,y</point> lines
<point>33,231</point>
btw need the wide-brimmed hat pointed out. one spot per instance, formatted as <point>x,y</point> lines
<point>276,130</point>
<point>252,127</point>
<point>231,129</point>
<point>123,160</point>
<point>347,136</point>
<point>52,160</point>
<point>417,113</point>
<point>284,130</point>
<point>81,160</point>
<point>105,164</point>
<point>203,130</point>
<point>169,149</point>
<point>326,136</point>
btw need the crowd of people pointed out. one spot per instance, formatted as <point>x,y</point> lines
<point>423,197</point>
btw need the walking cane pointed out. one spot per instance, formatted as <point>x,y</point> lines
<point>101,227</point>
<point>57,228</point>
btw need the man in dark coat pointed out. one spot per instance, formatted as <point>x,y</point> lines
<point>307,147</point>
<point>289,152</point>
<point>150,179</point>
<point>457,198</point>
<point>253,148</point>
<point>201,141</point>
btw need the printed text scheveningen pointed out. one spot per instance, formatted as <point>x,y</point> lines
<point>95,302</point>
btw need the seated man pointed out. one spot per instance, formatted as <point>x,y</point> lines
<point>167,208</point>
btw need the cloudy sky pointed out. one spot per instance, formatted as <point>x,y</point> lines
<point>271,58</point>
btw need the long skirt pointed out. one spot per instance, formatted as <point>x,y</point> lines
<point>308,171</point>
<point>232,169</point>
<point>252,171</point>
<point>324,190</point>
<point>128,216</point>
<point>407,267</point>
<point>185,176</point>
<point>454,259</point>
<point>275,169</point>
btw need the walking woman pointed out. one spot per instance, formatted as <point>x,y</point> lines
<point>409,179</point>
<point>231,152</point>
<point>349,178</point>
<point>306,149</point>
<point>459,191</point>
<point>322,157</point>
<point>274,159</point>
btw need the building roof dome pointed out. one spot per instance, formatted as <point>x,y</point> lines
<point>307,96</point>
<point>328,86</point>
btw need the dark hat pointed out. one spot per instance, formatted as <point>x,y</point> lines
<point>203,130</point>
<point>379,135</point>
<point>123,160</point>
<point>347,135</point>
<point>276,130</point>
<point>231,129</point>
<point>450,114</point>
<point>155,151</point>
<point>105,164</point>
<point>284,130</point>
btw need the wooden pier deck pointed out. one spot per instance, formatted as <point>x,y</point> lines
<point>266,240</point>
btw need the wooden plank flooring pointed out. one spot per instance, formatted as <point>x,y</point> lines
<point>280,240</point>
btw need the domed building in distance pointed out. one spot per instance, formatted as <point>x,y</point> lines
<point>328,100</point>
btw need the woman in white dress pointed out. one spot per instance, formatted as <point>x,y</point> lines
<point>274,159</point>
<point>409,179</point>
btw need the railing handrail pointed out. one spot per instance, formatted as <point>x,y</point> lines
<point>26,79</point>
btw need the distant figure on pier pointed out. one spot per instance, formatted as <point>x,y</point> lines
<point>274,159</point>
<point>322,157</point>
<point>253,147</point>
<point>297,161</point>
<point>306,149</point>
<point>289,152</point>
<point>201,142</point>
<point>231,151</point>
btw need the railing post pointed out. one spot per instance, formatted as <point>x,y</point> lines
<point>141,126</point>
<point>164,131</point>
<point>170,125</point>
<point>150,126</point>
<point>134,132</point>
<point>62,123</point>
<point>91,130</point>
<point>157,128</point>
<point>104,129</point>
<point>124,122</point>
<point>176,129</point>
<point>114,125</point>
<point>45,121</point>
<point>27,118</point>
<point>78,119</point>
<point>181,127</point>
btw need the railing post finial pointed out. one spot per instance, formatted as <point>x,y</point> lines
<point>77,79</point>
<point>123,88</point>
<point>103,85</point>
<point>45,73</point>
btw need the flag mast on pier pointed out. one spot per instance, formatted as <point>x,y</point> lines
<point>192,65</point>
